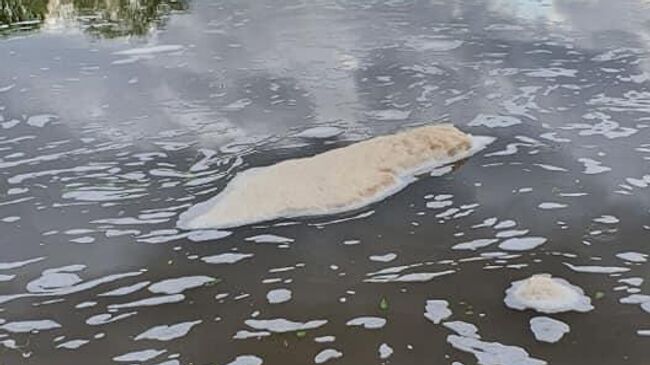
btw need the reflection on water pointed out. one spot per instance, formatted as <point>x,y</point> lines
<point>103,18</point>
<point>103,144</point>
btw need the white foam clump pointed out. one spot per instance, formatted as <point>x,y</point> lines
<point>546,294</point>
<point>551,205</point>
<point>139,356</point>
<point>493,353</point>
<point>125,290</point>
<point>463,328</point>
<point>594,269</point>
<point>385,351</point>
<point>547,329</point>
<point>30,326</point>
<point>167,332</point>
<point>593,167</point>
<point>474,244</point>
<point>632,256</point>
<point>325,339</point>
<point>487,353</point>
<point>388,257</point>
<point>247,360</point>
<point>72,344</point>
<point>326,355</point>
<point>522,243</point>
<point>226,258</point>
<point>179,285</point>
<point>281,325</point>
<point>436,310</point>
<point>269,238</point>
<point>335,181</point>
<point>277,296</point>
<point>368,323</point>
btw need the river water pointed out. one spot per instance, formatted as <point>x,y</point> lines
<point>117,116</point>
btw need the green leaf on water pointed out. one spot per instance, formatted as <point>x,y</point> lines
<point>599,295</point>
<point>301,334</point>
<point>213,282</point>
<point>383,304</point>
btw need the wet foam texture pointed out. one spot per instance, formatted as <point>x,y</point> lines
<point>335,181</point>
<point>546,294</point>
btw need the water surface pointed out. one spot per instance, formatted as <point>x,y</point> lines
<point>117,116</point>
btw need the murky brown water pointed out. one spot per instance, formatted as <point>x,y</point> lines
<point>115,117</point>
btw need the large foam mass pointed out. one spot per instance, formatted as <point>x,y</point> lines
<point>335,181</point>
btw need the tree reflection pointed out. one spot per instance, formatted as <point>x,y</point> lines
<point>100,18</point>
